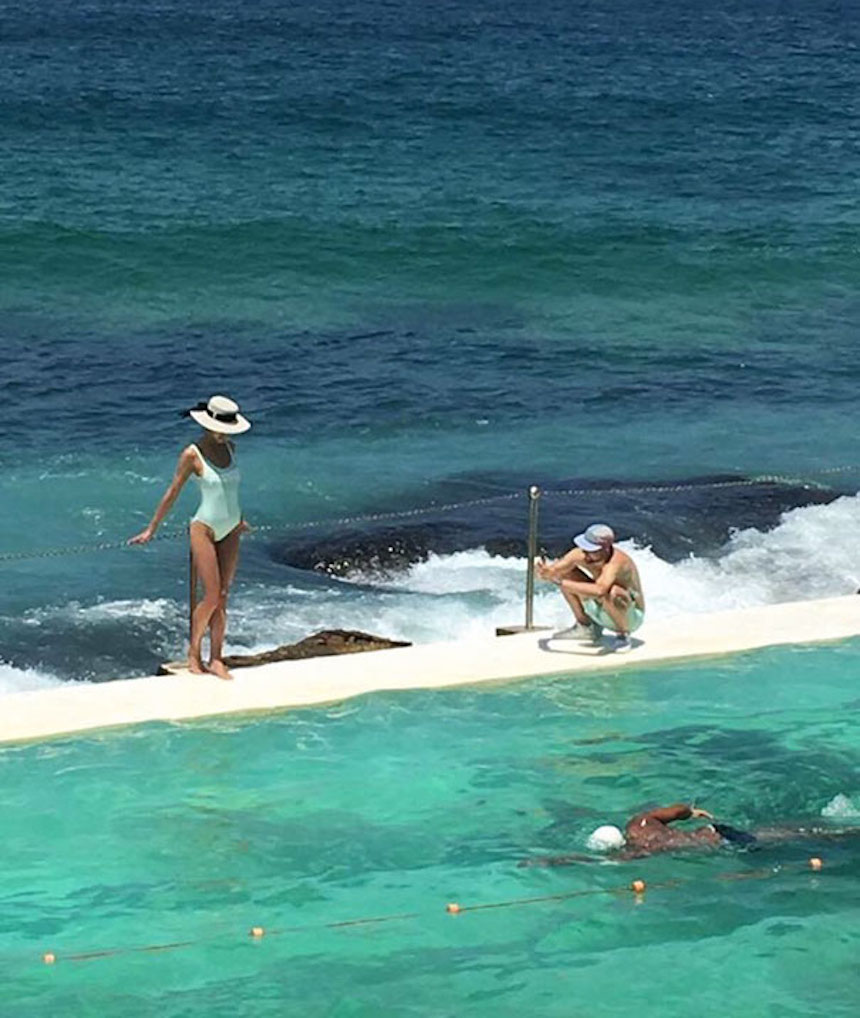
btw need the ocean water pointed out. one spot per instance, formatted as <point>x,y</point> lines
<point>141,859</point>
<point>438,253</point>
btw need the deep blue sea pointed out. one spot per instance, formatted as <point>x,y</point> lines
<point>437,251</point>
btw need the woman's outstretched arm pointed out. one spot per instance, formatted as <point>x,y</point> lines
<point>186,466</point>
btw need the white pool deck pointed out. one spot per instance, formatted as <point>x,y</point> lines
<point>290,684</point>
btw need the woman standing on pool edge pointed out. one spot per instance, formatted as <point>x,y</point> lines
<point>215,528</point>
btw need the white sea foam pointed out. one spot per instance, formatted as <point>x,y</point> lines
<point>24,680</point>
<point>841,807</point>
<point>811,553</point>
<point>142,608</point>
<point>161,608</point>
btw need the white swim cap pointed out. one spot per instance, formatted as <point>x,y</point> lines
<point>605,838</point>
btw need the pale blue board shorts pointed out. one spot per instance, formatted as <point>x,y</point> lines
<point>597,613</point>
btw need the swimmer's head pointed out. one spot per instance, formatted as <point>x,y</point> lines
<point>605,839</point>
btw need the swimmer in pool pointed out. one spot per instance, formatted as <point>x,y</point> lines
<point>649,832</point>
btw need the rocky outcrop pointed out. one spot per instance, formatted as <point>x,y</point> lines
<point>322,644</point>
<point>696,516</point>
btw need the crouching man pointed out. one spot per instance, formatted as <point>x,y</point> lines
<point>602,586</point>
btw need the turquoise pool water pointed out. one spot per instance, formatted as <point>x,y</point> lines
<point>394,805</point>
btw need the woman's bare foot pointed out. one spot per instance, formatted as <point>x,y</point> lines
<point>217,667</point>
<point>195,665</point>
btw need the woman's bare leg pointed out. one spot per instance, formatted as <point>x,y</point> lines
<point>227,551</point>
<point>206,563</point>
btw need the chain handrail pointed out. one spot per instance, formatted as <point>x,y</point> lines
<point>401,514</point>
<point>394,514</point>
<point>747,482</point>
<point>78,549</point>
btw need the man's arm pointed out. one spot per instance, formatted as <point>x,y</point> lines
<point>557,570</point>
<point>599,587</point>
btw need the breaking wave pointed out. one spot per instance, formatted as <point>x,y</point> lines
<point>24,680</point>
<point>462,595</point>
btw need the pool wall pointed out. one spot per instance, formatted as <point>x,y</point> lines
<point>82,706</point>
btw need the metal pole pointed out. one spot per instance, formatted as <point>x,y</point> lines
<point>192,593</point>
<point>534,498</point>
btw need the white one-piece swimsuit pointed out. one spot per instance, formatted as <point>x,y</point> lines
<point>219,496</point>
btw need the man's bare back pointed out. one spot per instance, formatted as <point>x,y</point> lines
<point>649,832</point>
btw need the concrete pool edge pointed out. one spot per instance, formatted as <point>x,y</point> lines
<point>86,707</point>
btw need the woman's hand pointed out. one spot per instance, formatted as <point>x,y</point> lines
<point>144,537</point>
<point>245,527</point>
<point>700,814</point>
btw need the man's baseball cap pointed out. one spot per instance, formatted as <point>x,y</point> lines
<point>597,537</point>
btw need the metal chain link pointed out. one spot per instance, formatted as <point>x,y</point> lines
<point>79,549</point>
<point>747,482</point>
<point>402,514</point>
<point>638,489</point>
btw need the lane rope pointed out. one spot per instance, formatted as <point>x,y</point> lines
<point>637,887</point>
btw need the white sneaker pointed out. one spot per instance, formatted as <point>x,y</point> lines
<point>622,645</point>
<point>578,631</point>
<point>574,632</point>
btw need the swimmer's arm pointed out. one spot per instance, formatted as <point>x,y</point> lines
<point>186,466</point>
<point>680,811</point>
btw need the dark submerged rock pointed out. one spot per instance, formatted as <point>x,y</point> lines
<point>675,519</point>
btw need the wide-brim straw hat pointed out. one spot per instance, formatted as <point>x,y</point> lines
<point>220,414</point>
